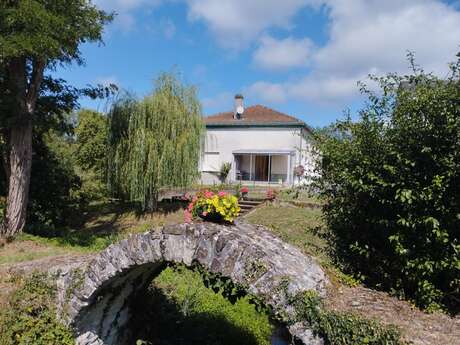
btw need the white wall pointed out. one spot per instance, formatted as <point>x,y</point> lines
<point>221,142</point>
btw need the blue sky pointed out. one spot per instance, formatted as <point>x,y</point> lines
<point>302,57</point>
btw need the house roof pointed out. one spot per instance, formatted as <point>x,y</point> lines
<point>254,116</point>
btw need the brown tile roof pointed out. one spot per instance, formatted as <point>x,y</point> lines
<point>253,115</point>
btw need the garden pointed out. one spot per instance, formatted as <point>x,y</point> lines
<point>381,214</point>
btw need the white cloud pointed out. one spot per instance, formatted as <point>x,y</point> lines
<point>124,10</point>
<point>236,23</point>
<point>273,54</point>
<point>375,34</point>
<point>372,36</point>
<point>268,92</point>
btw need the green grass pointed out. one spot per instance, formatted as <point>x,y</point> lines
<point>305,229</point>
<point>92,230</point>
<point>299,195</point>
<point>24,255</point>
<point>182,310</point>
<point>302,227</point>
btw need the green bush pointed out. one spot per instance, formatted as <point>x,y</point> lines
<point>391,183</point>
<point>30,316</point>
<point>341,328</point>
<point>52,183</point>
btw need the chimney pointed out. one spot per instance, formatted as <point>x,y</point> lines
<point>239,107</point>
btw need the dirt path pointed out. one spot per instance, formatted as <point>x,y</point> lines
<point>417,327</point>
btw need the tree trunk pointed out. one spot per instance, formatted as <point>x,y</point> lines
<point>25,87</point>
<point>18,190</point>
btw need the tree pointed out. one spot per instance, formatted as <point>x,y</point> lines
<point>91,134</point>
<point>391,183</point>
<point>35,36</point>
<point>155,143</point>
<point>91,138</point>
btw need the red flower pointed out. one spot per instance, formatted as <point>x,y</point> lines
<point>245,190</point>
<point>208,194</point>
<point>187,216</point>
<point>221,194</point>
<point>271,194</point>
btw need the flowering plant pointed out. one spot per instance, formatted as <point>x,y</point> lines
<point>271,194</point>
<point>244,190</point>
<point>299,171</point>
<point>211,206</point>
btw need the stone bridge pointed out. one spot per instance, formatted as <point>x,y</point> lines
<point>94,294</point>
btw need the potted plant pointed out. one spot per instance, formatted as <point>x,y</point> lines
<point>244,192</point>
<point>218,207</point>
<point>299,171</point>
<point>271,195</point>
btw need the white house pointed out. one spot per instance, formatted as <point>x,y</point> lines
<point>263,146</point>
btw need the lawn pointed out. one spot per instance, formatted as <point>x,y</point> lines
<point>302,227</point>
<point>92,230</point>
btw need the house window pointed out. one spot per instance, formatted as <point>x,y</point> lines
<point>211,143</point>
<point>211,161</point>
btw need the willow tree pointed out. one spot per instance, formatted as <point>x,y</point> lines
<point>155,142</point>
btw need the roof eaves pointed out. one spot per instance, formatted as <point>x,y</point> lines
<point>257,124</point>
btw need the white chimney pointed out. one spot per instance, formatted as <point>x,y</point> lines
<point>239,107</point>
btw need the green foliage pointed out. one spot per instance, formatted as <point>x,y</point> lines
<point>391,185</point>
<point>155,143</point>
<point>341,328</point>
<point>53,180</point>
<point>45,32</point>
<point>224,171</point>
<point>49,29</point>
<point>91,153</point>
<point>30,316</point>
<point>36,36</point>
<point>180,309</point>
<point>91,138</point>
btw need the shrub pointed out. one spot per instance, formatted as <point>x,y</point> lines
<point>30,317</point>
<point>391,180</point>
<point>341,328</point>
<point>224,171</point>
<point>212,206</point>
<point>52,184</point>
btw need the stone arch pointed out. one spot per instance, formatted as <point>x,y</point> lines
<point>93,296</point>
